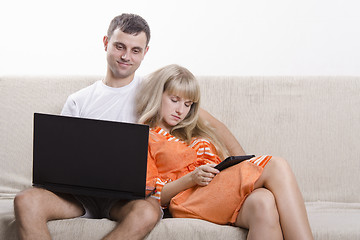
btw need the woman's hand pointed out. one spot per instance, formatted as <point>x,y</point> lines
<point>204,174</point>
<point>201,176</point>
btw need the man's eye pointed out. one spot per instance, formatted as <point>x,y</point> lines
<point>136,51</point>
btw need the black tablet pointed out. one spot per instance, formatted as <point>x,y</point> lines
<point>232,160</point>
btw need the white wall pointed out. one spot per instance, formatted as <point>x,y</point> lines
<point>238,37</point>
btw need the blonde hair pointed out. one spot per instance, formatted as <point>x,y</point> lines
<point>179,81</point>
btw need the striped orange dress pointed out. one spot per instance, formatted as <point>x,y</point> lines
<point>219,202</point>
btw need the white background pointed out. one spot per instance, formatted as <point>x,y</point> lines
<point>223,37</point>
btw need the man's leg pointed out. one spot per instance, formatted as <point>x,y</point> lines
<point>34,207</point>
<point>136,218</point>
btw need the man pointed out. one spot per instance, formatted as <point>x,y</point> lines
<point>112,98</point>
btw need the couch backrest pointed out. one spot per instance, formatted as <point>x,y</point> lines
<point>313,122</point>
<point>20,97</point>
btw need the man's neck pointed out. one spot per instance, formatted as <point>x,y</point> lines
<point>111,81</point>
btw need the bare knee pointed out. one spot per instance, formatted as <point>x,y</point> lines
<point>262,208</point>
<point>276,171</point>
<point>44,205</point>
<point>280,164</point>
<point>147,213</point>
<point>138,211</point>
<point>27,202</point>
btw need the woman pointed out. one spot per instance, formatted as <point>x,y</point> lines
<point>260,194</point>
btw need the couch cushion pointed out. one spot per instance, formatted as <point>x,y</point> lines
<point>328,220</point>
<point>7,219</point>
<point>331,220</point>
<point>94,229</point>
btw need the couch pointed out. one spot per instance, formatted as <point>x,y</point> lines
<point>313,122</point>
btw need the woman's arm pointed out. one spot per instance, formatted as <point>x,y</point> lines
<point>224,134</point>
<point>201,176</point>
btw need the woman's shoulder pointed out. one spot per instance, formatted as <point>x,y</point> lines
<point>203,147</point>
<point>197,141</point>
<point>155,136</point>
<point>161,133</point>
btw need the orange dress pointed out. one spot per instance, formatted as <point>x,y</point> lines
<point>219,202</point>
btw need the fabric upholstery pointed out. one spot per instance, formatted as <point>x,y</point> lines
<point>313,122</point>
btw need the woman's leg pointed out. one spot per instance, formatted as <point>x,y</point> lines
<point>259,214</point>
<point>278,178</point>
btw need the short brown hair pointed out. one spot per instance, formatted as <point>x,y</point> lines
<point>130,24</point>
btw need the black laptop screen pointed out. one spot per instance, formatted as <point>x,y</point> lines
<point>94,155</point>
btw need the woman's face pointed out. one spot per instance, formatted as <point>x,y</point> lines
<point>173,110</point>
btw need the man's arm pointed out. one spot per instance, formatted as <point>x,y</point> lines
<point>224,134</point>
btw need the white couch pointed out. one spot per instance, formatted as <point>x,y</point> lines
<point>313,122</point>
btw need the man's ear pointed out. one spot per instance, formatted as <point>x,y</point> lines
<point>146,50</point>
<point>105,41</point>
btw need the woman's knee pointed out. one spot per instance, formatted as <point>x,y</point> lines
<point>262,204</point>
<point>280,163</point>
<point>277,169</point>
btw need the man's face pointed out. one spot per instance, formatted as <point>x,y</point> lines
<point>125,53</point>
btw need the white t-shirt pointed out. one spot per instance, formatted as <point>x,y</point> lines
<point>99,101</point>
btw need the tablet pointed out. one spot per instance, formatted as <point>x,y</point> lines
<point>232,160</point>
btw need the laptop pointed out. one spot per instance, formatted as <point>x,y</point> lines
<point>90,157</point>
